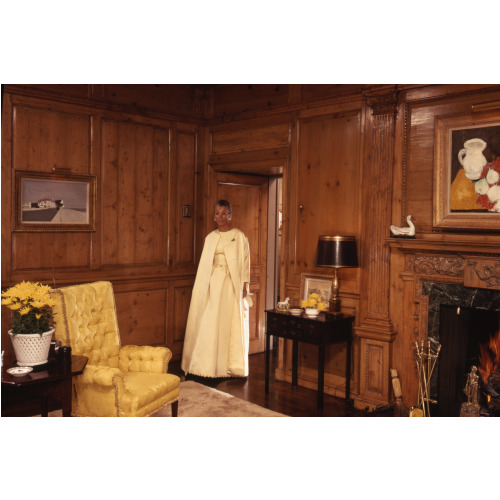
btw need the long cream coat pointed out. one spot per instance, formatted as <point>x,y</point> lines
<point>200,336</point>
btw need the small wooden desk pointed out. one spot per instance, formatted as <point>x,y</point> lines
<point>51,379</point>
<point>322,331</point>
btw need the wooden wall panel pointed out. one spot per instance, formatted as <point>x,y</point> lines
<point>273,136</point>
<point>374,363</point>
<point>181,299</point>
<point>232,99</point>
<point>50,251</point>
<point>184,194</point>
<point>134,193</point>
<point>142,317</point>
<point>328,186</point>
<point>160,98</point>
<point>44,139</point>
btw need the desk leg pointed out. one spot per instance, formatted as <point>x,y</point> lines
<point>44,402</point>
<point>348,372</point>
<point>295,362</point>
<point>267,362</point>
<point>67,387</point>
<point>321,375</point>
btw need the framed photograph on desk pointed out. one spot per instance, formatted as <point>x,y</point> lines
<point>316,283</point>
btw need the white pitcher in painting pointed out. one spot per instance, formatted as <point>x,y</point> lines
<point>472,159</point>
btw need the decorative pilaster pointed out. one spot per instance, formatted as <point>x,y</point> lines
<point>375,331</point>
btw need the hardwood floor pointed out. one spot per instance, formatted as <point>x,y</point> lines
<point>282,397</point>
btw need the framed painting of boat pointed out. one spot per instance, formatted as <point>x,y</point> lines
<point>54,202</point>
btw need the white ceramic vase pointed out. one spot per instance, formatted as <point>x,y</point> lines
<point>311,311</point>
<point>31,349</point>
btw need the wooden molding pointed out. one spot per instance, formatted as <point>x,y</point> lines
<point>383,105</point>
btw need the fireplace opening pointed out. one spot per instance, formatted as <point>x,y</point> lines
<point>469,337</point>
<point>479,310</point>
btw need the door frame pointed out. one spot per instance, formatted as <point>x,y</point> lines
<point>270,168</point>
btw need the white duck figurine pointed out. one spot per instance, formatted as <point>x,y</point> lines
<point>404,231</point>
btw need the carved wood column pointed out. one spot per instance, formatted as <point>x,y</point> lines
<point>375,331</point>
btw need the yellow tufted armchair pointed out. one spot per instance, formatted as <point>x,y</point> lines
<point>129,381</point>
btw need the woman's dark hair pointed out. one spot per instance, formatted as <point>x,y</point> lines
<point>224,203</point>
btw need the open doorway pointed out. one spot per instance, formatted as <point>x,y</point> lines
<point>257,202</point>
<point>274,226</point>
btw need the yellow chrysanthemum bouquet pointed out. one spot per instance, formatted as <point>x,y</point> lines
<point>31,305</point>
<point>314,302</point>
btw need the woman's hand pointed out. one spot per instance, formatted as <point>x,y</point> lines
<point>245,291</point>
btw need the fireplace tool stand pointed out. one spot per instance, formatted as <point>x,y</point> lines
<point>426,361</point>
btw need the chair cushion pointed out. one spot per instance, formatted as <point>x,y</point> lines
<point>146,393</point>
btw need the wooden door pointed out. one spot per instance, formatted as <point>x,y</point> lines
<point>248,196</point>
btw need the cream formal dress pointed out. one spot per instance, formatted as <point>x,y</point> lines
<point>217,332</point>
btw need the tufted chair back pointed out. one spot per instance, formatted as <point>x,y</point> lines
<point>86,321</point>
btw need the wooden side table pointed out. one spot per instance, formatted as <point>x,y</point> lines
<point>323,330</point>
<point>50,380</point>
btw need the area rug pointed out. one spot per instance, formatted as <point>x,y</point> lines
<point>198,400</point>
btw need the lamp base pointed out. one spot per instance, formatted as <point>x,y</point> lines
<point>334,306</point>
<point>334,314</point>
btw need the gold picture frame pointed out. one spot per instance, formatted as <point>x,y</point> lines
<point>47,202</point>
<point>316,283</point>
<point>457,202</point>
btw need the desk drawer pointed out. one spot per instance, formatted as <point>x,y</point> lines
<point>320,332</point>
<point>294,329</point>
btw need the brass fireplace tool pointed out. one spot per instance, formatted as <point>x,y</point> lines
<point>426,362</point>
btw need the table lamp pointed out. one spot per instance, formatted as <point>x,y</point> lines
<point>336,252</point>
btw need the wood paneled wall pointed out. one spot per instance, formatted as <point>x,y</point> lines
<point>146,169</point>
<point>354,159</point>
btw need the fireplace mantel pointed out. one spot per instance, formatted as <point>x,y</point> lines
<point>454,247</point>
<point>471,263</point>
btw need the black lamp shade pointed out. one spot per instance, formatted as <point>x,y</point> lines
<point>336,251</point>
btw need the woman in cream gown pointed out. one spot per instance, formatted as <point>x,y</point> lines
<point>217,332</point>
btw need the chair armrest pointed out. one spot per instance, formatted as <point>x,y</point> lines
<point>103,376</point>
<point>98,391</point>
<point>144,359</point>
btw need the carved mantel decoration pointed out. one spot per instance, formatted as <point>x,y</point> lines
<point>426,264</point>
<point>487,272</point>
<point>483,272</point>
